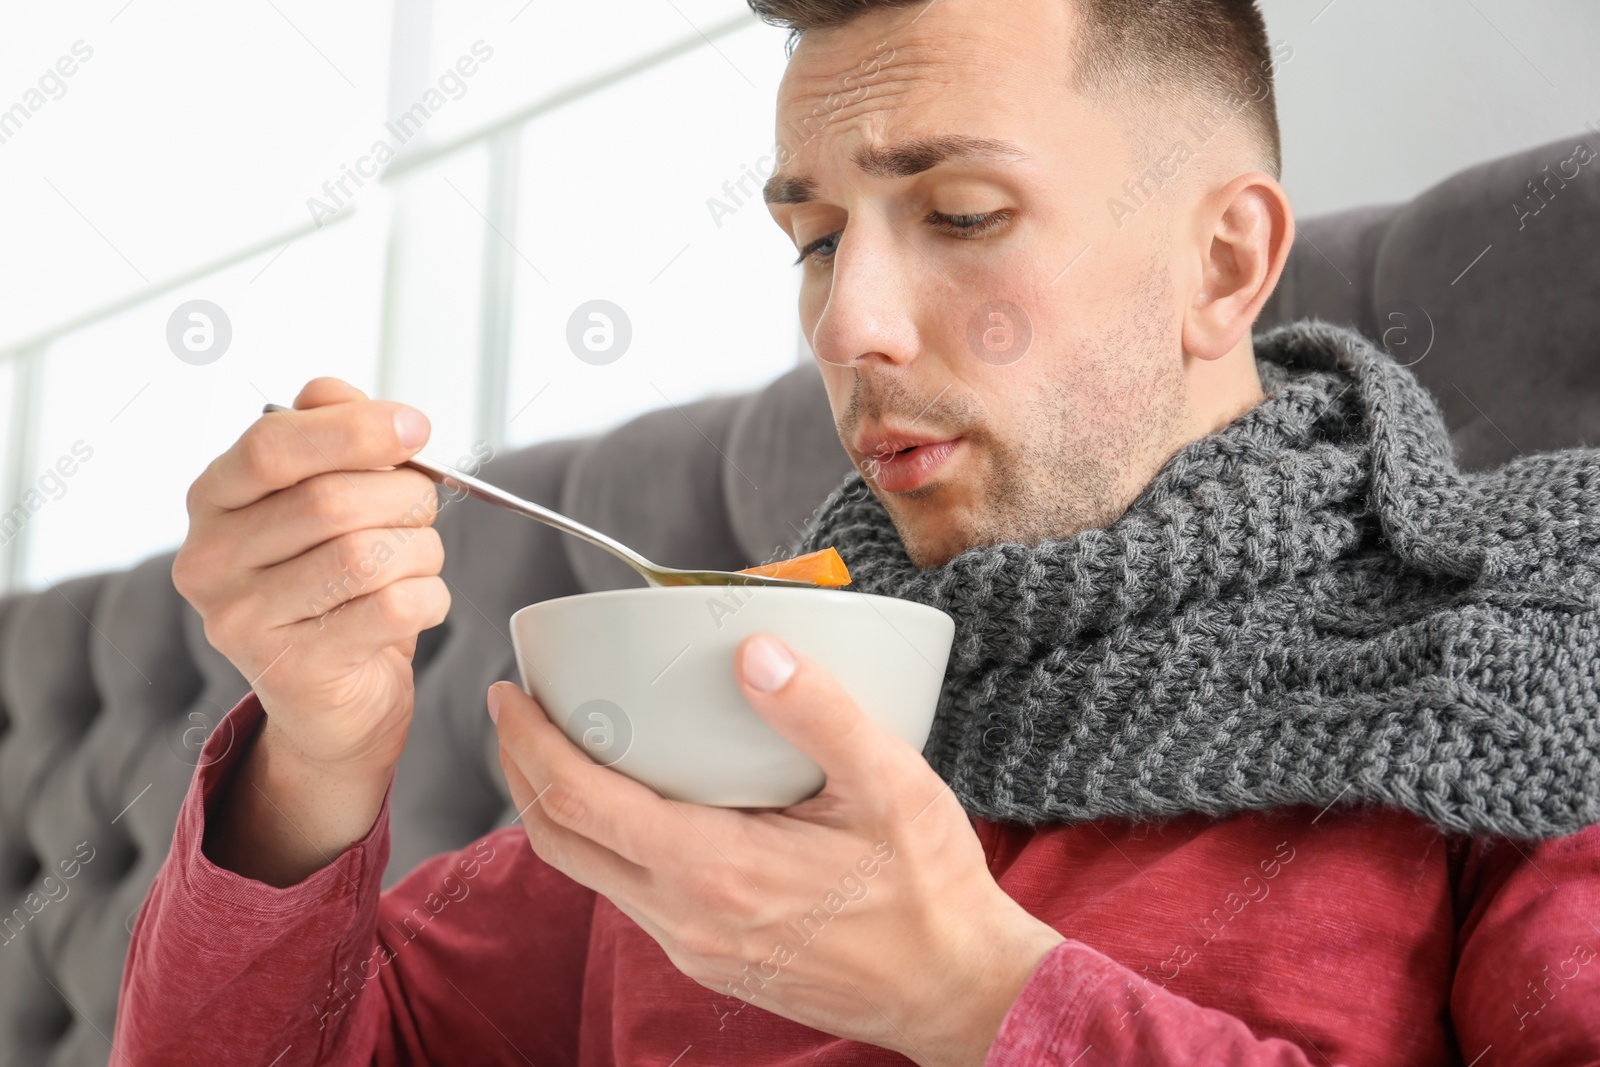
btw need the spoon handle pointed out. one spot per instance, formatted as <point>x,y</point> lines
<point>451,478</point>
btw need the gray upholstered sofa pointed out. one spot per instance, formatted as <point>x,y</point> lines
<point>107,687</point>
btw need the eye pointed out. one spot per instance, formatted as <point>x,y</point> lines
<point>822,246</point>
<point>961,226</point>
<point>968,226</point>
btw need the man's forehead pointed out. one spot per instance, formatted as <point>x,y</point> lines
<point>949,44</point>
<point>907,89</point>
<point>873,73</point>
<point>970,35</point>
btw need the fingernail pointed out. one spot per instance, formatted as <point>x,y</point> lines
<point>494,704</point>
<point>768,665</point>
<point>412,426</point>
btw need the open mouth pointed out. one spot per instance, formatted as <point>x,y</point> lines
<point>911,467</point>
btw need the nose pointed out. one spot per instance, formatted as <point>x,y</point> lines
<point>870,313</point>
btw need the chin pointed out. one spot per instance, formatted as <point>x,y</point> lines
<point>928,523</point>
<point>929,536</point>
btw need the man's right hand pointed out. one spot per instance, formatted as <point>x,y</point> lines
<point>314,569</point>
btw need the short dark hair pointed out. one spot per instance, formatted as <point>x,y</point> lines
<point>1158,50</point>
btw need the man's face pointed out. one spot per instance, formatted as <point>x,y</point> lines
<point>952,205</point>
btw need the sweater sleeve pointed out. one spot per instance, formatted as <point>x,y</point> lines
<point>1080,1000</point>
<point>1527,982</point>
<point>334,971</point>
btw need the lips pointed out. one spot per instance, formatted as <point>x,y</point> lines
<point>899,463</point>
<point>887,443</point>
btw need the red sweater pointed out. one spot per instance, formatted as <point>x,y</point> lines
<point>1349,936</point>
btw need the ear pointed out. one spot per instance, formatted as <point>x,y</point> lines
<point>1247,228</point>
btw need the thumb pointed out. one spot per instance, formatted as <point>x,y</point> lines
<point>321,391</point>
<point>812,711</point>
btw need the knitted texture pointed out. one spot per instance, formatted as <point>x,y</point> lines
<point>1313,605</point>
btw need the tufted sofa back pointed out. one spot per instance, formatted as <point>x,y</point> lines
<point>108,688</point>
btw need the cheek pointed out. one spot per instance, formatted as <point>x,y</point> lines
<point>1006,403</point>
<point>1018,287</point>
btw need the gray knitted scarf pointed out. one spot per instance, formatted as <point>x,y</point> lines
<point>1313,605</point>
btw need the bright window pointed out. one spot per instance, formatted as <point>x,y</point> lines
<point>150,422</point>
<point>545,157</point>
<point>624,201</point>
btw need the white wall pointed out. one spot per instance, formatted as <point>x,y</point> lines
<point>1383,98</point>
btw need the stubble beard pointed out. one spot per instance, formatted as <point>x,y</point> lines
<point>1090,441</point>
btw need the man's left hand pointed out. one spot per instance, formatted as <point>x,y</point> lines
<point>920,951</point>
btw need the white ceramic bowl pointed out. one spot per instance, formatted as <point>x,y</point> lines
<point>642,679</point>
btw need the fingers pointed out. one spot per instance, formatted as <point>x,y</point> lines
<point>579,795</point>
<point>579,857</point>
<point>349,636</point>
<point>342,569</point>
<point>323,507</point>
<point>813,712</point>
<point>363,627</point>
<point>284,448</point>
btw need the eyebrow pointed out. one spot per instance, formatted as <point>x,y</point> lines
<point>898,161</point>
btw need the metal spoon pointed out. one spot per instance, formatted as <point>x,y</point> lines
<point>451,478</point>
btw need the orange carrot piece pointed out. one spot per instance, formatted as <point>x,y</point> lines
<point>825,568</point>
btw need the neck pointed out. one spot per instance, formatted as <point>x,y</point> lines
<point>1221,389</point>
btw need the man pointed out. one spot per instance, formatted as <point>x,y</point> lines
<point>1268,737</point>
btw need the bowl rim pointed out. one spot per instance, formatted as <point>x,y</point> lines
<point>900,603</point>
